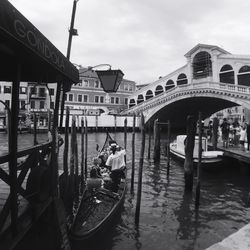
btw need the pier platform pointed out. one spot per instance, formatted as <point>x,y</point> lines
<point>237,241</point>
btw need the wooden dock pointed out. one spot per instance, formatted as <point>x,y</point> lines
<point>235,152</point>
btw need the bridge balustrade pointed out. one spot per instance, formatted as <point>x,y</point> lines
<point>231,88</point>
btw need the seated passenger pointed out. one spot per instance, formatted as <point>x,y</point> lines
<point>94,182</point>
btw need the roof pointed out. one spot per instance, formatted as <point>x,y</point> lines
<point>39,59</point>
<point>206,46</point>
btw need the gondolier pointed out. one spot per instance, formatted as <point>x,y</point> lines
<point>116,163</point>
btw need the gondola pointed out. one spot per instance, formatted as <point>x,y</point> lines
<point>97,209</point>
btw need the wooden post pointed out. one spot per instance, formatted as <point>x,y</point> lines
<point>49,120</point>
<point>197,198</point>
<point>168,148</point>
<point>157,145</point>
<point>215,133</point>
<point>35,129</point>
<point>115,121</point>
<point>125,132</point>
<point>82,151</point>
<point>86,148</point>
<point>133,156</point>
<point>139,188</point>
<point>54,154</point>
<point>72,156</point>
<point>189,150</point>
<point>149,139</point>
<point>66,145</point>
<point>96,123</point>
<point>76,163</point>
<point>13,150</point>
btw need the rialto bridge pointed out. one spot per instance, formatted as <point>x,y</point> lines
<point>213,79</point>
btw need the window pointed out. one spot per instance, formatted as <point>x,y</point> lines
<point>42,92</point>
<point>33,90</point>
<point>7,89</point>
<point>41,104</point>
<point>96,84</point>
<point>85,98</point>
<point>51,92</point>
<point>96,98</point>
<point>66,97</point>
<point>117,100</point>
<point>32,104</point>
<point>52,105</point>
<point>130,87</point>
<point>126,101</point>
<point>7,102</point>
<point>22,105</point>
<point>22,90</point>
<point>101,99</point>
<point>158,90</point>
<point>149,94</point>
<point>125,86</point>
<point>86,83</point>
<point>71,97</point>
<point>112,99</point>
<point>79,98</point>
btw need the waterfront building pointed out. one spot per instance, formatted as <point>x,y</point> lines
<point>34,98</point>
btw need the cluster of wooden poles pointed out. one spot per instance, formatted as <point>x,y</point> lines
<point>74,178</point>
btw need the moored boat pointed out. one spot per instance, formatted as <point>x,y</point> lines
<point>97,209</point>
<point>210,159</point>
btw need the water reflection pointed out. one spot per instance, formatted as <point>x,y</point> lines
<point>168,218</point>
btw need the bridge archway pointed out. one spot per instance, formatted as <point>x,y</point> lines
<point>140,99</point>
<point>227,74</point>
<point>244,76</point>
<point>149,94</point>
<point>182,79</point>
<point>131,103</point>
<point>169,85</point>
<point>159,90</point>
<point>202,65</point>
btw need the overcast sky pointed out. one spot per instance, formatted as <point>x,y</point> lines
<point>144,38</point>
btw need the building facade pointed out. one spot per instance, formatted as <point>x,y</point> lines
<point>89,96</point>
<point>34,99</point>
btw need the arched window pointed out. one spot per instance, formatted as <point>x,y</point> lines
<point>149,94</point>
<point>244,76</point>
<point>169,85</point>
<point>140,98</point>
<point>227,74</point>
<point>202,65</point>
<point>182,79</point>
<point>131,103</point>
<point>158,90</point>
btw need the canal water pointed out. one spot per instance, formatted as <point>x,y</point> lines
<point>168,218</point>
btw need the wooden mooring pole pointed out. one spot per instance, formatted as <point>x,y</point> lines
<point>157,145</point>
<point>149,139</point>
<point>168,148</point>
<point>197,197</point>
<point>189,150</point>
<point>35,128</point>
<point>215,133</point>
<point>139,187</point>
<point>86,149</point>
<point>82,152</point>
<point>133,157</point>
